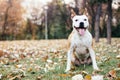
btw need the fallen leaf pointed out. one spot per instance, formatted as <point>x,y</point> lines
<point>118,56</point>
<point>2,53</point>
<point>18,66</point>
<point>118,78</point>
<point>30,69</point>
<point>114,51</point>
<point>77,77</point>
<point>16,74</point>
<point>49,61</point>
<point>4,61</point>
<point>44,57</point>
<point>117,69</point>
<point>106,58</point>
<point>112,73</point>
<point>1,76</point>
<point>84,72</point>
<point>118,65</point>
<point>39,77</point>
<point>64,75</point>
<point>17,77</point>
<point>88,77</point>
<point>45,69</point>
<point>97,77</point>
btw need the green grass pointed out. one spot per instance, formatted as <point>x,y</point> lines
<point>57,73</point>
<point>33,66</point>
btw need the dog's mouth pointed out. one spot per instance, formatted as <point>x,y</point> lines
<point>81,30</point>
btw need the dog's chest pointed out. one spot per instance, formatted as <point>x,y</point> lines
<point>81,42</point>
<point>81,45</point>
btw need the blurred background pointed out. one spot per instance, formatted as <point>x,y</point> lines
<point>51,19</point>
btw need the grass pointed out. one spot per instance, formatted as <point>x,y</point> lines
<point>50,64</point>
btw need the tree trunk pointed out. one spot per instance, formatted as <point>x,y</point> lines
<point>91,12</point>
<point>80,6</point>
<point>3,36</point>
<point>31,29</point>
<point>109,21</point>
<point>97,22</point>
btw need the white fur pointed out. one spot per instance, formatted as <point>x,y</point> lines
<point>80,19</point>
<point>79,44</point>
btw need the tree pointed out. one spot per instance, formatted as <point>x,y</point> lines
<point>57,20</point>
<point>97,22</point>
<point>34,14</point>
<point>5,19</point>
<point>11,18</point>
<point>94,10</point>
<point>109,21</point>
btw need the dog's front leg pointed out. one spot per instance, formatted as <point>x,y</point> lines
<point>69,58</point>
<point>92,55</point>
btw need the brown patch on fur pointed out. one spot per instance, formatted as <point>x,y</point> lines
<point>69,39</point>
<point>93,42</point>
<point>72,13</point>
<point>76,62</point>
<point>89,60</point>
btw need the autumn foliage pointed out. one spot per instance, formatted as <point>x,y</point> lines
<point>15,25</point>
<point>11,22</point>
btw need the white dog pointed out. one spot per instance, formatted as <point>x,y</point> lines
<point>80,48</point>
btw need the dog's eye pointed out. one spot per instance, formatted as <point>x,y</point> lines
<point>76,20</point>
<point>85,19</point>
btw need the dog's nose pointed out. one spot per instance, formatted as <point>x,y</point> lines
<point>81,25</point>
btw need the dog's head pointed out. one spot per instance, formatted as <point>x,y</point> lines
<point>80,23</point>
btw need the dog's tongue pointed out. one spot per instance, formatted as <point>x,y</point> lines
<point>81,32</point>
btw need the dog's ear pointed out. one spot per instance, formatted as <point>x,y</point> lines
<point>72,13</point>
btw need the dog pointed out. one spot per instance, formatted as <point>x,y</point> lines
<point>80,44</point>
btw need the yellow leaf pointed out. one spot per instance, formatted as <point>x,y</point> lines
<point>64,75</point>
<point>88,77</point>
<point>30,69</point>
<point>118,78</point>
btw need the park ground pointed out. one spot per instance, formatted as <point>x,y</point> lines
<point>46,60</point>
